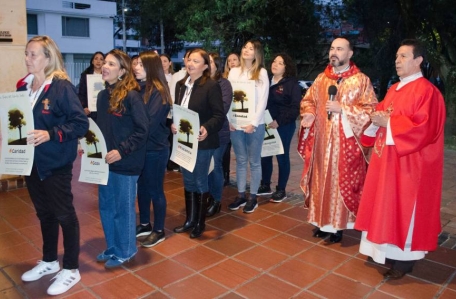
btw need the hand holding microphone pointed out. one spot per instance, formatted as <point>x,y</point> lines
<point>332,91</point>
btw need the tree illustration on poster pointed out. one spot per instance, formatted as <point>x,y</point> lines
<point>17,121</point>
<point>91,138</point>
<point>185,127</point>
<point>240,96</point>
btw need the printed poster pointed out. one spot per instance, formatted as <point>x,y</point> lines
<point>242,107</point>
<point>16,119</point>
<point>272,144</point>
<point>94,85</point>
<point>94,169</point>
<point>185,142</point>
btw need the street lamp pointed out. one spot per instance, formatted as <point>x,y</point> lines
<point>124,35</point>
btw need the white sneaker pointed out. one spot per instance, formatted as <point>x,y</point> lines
<point>64,280</point>
<point>43,268</point>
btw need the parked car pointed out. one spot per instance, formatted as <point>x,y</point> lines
<point>305,85</point>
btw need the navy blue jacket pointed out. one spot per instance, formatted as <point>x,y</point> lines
<point>64,119</point>
<point>157,113</point>
<point>125,131</point>
<point>284,101</point>
<point>227,96</point>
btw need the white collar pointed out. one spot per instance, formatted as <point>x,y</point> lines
<point>408,79</point>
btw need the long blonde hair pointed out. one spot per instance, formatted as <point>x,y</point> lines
<point>258,60</point>
<point>126,83</point>
<point>226,72</point>
<point>55,67</point>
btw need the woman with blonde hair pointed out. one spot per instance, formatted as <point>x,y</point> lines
<point>248,141</point>
<point>123,121</point>
<point>232,60</point>
<point>59,121</point>
<point>156,96</point>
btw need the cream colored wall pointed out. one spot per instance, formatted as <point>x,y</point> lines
<point>13,18</point>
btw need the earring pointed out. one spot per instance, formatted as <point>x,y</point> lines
<point>119,78</point>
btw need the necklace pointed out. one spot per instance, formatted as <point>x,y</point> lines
<point>34,94</point>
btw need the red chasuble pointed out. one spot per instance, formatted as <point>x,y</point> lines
<point>407,174</point>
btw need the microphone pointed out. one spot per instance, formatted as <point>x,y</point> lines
<point>332,91</point>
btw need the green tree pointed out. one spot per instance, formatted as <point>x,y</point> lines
<point>240,96</point>
<point>16,120</point>
<point>91,138</point>
<point>185,127</point>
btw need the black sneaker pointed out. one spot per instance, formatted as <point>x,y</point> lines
<point>278,196</point>
<point>264,190</point>
<point>153,239</point>
<point>143,230</point>
<point>238,202</point>
<point>251,205</point>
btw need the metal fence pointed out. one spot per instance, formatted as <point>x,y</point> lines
<point>74,70</point>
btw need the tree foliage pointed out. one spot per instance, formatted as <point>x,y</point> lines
<point>16,120</point>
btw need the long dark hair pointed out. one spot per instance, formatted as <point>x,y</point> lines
<point>290,66</point>
<point>91,67</point>
<point>218,64</point>
<point>155,76</point>
<point>207,72</point>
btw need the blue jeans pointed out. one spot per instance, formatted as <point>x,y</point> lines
<point>247,148</point>
<point>197,181</point>
<point>116,203</point>
<point>216,179</point>
<point>150,186</point>
<point>286,134</point>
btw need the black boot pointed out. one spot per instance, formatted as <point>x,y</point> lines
<point>201,210</point>
<point>213,206</point>
<point>336,237</point>
<point>190,208</point>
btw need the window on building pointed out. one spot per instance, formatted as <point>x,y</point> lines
<point>32,24</point>
<point>75,27</point>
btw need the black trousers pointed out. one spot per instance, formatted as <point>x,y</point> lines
<point>403,266</point>
<point>53,203</point>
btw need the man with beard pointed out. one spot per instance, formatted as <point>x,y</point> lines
<point>399,213</point>
<point>334,161</point>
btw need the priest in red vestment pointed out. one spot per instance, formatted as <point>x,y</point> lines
<point>399,213</point>
<point>334,161</point>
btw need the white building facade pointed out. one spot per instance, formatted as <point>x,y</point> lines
<point>79,27</point>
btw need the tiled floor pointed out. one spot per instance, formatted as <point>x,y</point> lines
<point>268,254</point>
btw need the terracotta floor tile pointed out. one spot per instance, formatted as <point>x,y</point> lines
<point>448,294</point>
<point>304,231</point>
<point>12,238</point>
<point>19,253</point>
<point>287,244</point>
<point>145,256</point>
<point>348,245</point>
<point>228,223</point>
<point>125,286</point>
<point>230,273</point>
<point>164,273</point>
<point>11,293</point>
<point>335,286</point>
<point>93,273</point>
<point>298,273</point>
<point>443,255</point>
<point>229,244</point>
<point>259,214</point>
<point>157,295</point>
<point>174,244</point>
<point>83,294</point>
<point>266,287</point>
<point>280,223</point>
<point>5,227</point>
<point>358,270</point>
<point>409,287</point>
<point>322,257</point>
<point>199,257</point>
<point>380,295</point>
<point>192,288</point>
<point>261,257</point>
<point>256,233</point>
<point>296,212</point>
<point>306,295</point>
<point>172,185</point>
<point>452,284</point>
<point>5,283</point>
<point>23,220</point>
<point>431,271</point>
<point>232,295</point>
